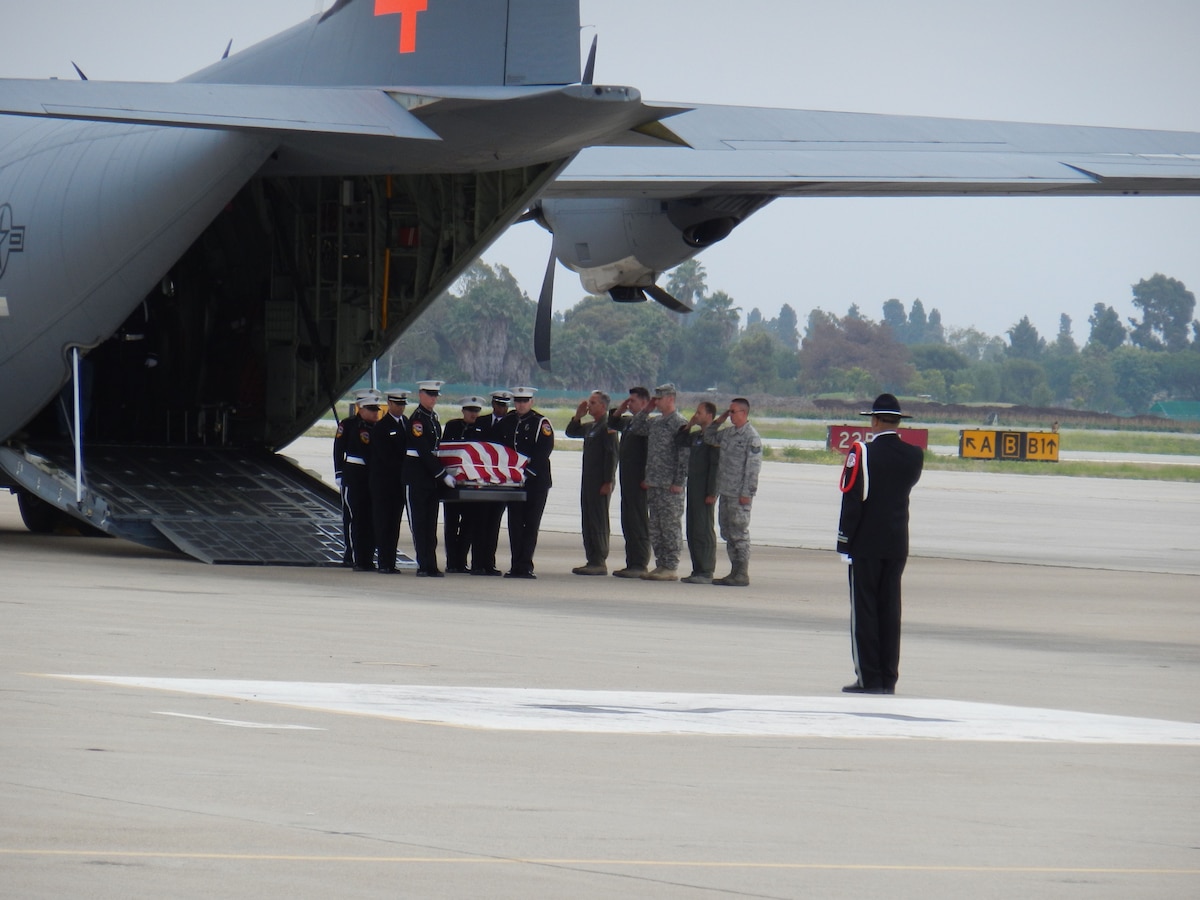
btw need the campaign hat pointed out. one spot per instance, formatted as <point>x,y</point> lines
<point>886,405</point>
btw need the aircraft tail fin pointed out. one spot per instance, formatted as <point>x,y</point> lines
<point>411,43</point>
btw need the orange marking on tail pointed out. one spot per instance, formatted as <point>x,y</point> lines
<point>407,10</point>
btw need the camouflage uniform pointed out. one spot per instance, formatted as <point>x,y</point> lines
<point>737,477</point>
<point>666,465</point>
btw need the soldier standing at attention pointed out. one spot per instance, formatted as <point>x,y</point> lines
<point>737,483</point>
<point>635,517</point>
<point>666,475</point>
<point>529,432</point>
<point>596,482</point>
<point>462,519</point>
<point>873,533</point>
<point>424,475</point>
<point>388,444</point>
<point>703,459</point>
<point>351,455</point>
<point>483,555</point>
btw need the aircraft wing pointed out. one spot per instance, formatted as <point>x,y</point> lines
<point>248,107</point>
<point>781,152</point>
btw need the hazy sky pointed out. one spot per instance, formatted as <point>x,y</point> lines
<point>982,262</point>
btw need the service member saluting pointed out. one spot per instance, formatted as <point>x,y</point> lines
<point>666,475</point>
<point>529,432</point>
<point>737,483</point>
<point>424,474</point>
<point>596,481</point>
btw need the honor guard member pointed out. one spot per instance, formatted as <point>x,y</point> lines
<point>461,525</point>
<point>351,456</point>
<point>666,475</point>
<point>389,440</point>
<point>529,432</point>
<point>873,534</point>
<point>635,517</point>
<point>424,476</point>
<point>737,483</point>
<point>483,553</point>
<point>596,482</point>
<point>701,494</point>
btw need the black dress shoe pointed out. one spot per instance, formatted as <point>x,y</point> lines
<point>457,570</point>
<point>519,575</point>
<point>431,573</point>
<point>486,572</point>
<point>859,689</point>
<point>389,571</point>
<point>364,568</point>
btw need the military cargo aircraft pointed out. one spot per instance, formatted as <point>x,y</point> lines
<point>191,273</point>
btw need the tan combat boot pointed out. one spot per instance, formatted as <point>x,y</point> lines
<point>661,574</point>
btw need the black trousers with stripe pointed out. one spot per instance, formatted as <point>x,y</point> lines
<point>875,620</point>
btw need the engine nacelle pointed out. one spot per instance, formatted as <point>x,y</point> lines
<point>628,242</point>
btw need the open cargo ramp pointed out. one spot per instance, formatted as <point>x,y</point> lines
<point>218,504</point>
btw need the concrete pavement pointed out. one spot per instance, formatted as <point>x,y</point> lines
<point>267,732</point>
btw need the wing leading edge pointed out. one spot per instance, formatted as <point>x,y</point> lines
<point>249,107</point>
<point>778,152</point>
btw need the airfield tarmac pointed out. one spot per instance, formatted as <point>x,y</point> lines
<point>173,729</point>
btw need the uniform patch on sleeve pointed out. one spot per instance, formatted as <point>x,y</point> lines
<point>341,429</point>
<point>418,429</point>
<point>547,429</point>
<point>364,436</point>
<point>851,460</point>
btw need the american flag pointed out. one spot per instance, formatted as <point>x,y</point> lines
<point>482,462</point>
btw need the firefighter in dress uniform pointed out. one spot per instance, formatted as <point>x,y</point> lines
<point>483,553</point>
<point>529,432</point>
<point>424,476</point>
<point>351,457</point>
<point>389,441</point>
<point>461,528</point>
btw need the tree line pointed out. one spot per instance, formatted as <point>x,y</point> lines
<point>482,333</point>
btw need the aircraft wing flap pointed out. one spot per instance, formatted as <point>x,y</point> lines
<point>274,108</point>
<point>797,152</point>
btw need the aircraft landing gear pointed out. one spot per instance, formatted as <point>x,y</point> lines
<point>38,515</point>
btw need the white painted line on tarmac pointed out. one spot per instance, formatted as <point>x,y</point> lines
<point>235,723</point>
<point>635,712</point>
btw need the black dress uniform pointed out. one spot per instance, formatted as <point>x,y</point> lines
<point>461,528</point>
<point>389,440</point>
<point>873,531</point>
<point>351,455</point>
<point>489,515</point>
<point>533,435</point>
<point>423,472</point>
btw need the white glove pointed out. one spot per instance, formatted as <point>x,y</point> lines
<point>449,480</point>
<point>338,481</point>
<point>845,558</point>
